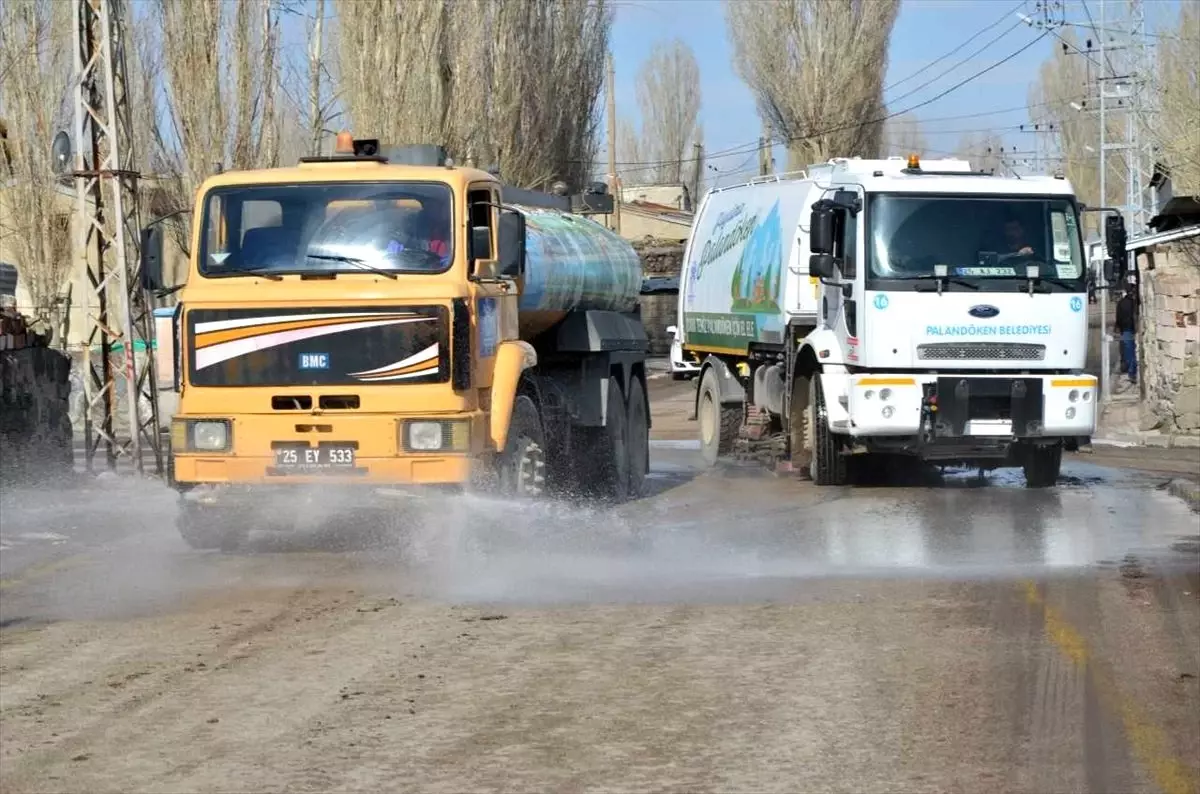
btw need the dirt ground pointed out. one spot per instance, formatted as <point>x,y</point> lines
<point>733,632</point>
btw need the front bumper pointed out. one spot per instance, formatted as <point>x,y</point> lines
<point>962,406</point>
<point>380,459</point>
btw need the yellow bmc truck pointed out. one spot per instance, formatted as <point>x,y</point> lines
<point>380,319</point>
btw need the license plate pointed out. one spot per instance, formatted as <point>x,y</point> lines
<point>318,458</point>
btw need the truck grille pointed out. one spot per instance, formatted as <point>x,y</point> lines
<point>981,351</point>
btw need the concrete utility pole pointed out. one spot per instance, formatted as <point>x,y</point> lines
<point>613,184</point>
<point>314,88</point>
<point>697,172</point>
<point>1105,378</point>
<point>108,225</point>
<point>765,159</point>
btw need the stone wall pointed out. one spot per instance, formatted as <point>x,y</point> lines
<point>35,425</point>
<point>1169,349</point>
<point>659,258</point>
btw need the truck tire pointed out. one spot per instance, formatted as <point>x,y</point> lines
<point>522,472</point>
<point>828,466</point>
<point>637,438</point>
<point>718,424</point>
<point>204,529</point>
<point>611,481</point>
<point>1042,466</point>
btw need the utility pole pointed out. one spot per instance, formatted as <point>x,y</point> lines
<point>697,171</point>
<point>613,183</point>
<point>765,158</point>
<point>1105,377</point>
<point>106,197</point>
<point>314,88</point>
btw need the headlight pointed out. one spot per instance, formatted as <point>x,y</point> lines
<point>885,394</point>
<point>200,435</point>
<point>210,436</point>
<point>424,436</point>
<point>427,435</point>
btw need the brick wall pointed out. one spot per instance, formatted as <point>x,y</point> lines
<point>1169,349</point>
<point>659,258</point>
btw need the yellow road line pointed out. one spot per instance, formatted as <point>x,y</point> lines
<point>1150,743</point>
<point>43,569</point>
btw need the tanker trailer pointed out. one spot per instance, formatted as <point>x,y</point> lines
<point>449,331</point>
<point>579,312</point>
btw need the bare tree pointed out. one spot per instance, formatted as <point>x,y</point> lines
<point>902,135</point>
<point>668,92</point>
<point>498,83</point>
<point>816,69</point>
<point>984,151</point>
<point>35,65</point>
<point>631,160</point>
<point>219,67</point>
<point>1177,128</point>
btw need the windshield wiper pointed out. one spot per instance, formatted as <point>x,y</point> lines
<point>350,260</point>
<point>944,279</point>
<point>1058,282</point>
<point>262,272</point>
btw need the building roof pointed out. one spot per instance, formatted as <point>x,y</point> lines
<point>1145,241</point>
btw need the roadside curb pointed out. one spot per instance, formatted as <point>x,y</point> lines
<point>1153,441</point>
<point>1187,491</point>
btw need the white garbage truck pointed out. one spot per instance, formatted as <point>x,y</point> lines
<point>871,308</point>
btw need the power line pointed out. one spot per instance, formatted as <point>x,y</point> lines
<point>753,146</point>
<point>927,83</point>
<point>933,63</point>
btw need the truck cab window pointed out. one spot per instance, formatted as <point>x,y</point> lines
<point>845,230</point>
<point>482,237</point>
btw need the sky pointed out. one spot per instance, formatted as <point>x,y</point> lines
<point>924,31</point>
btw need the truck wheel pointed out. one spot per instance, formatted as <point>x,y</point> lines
<point>718,424</point>
<point>612,455</point>
<point>828,466</point>
<point>638,438</point>
<point>1042,466</point>
<point>203,529</point>
<point>523,464</point>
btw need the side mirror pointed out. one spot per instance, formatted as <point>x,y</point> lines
<point>820,229</point>
<point>481,243</point>
<point>512,244</point>
<point>152,257</point>
<point>821,266</point>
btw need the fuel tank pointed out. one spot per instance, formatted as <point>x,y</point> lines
<point>573,263</point>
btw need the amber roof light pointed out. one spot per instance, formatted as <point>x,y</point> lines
<point>344,143</point>
<point>914,162</point>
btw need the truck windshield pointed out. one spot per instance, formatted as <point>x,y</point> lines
<point>326,228</point>
<point>975,237</point>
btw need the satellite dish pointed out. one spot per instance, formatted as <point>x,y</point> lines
<point>60,152</point>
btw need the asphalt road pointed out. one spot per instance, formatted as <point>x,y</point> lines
<point>731,632</point>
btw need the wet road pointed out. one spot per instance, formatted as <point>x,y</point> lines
<point>731,632</point>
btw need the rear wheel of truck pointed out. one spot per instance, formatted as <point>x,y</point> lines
<point>827,466</point>
<point>1042,466</point>
<point>718,424</point>
<point>202,529</point>
<point>638,438</point>
<point>612,449</point>
<point>523,464</point>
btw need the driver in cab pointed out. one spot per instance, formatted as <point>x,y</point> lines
<point>424,230</point>
<point>1015,240</point>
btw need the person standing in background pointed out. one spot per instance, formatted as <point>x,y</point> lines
<point>1126,326</point>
